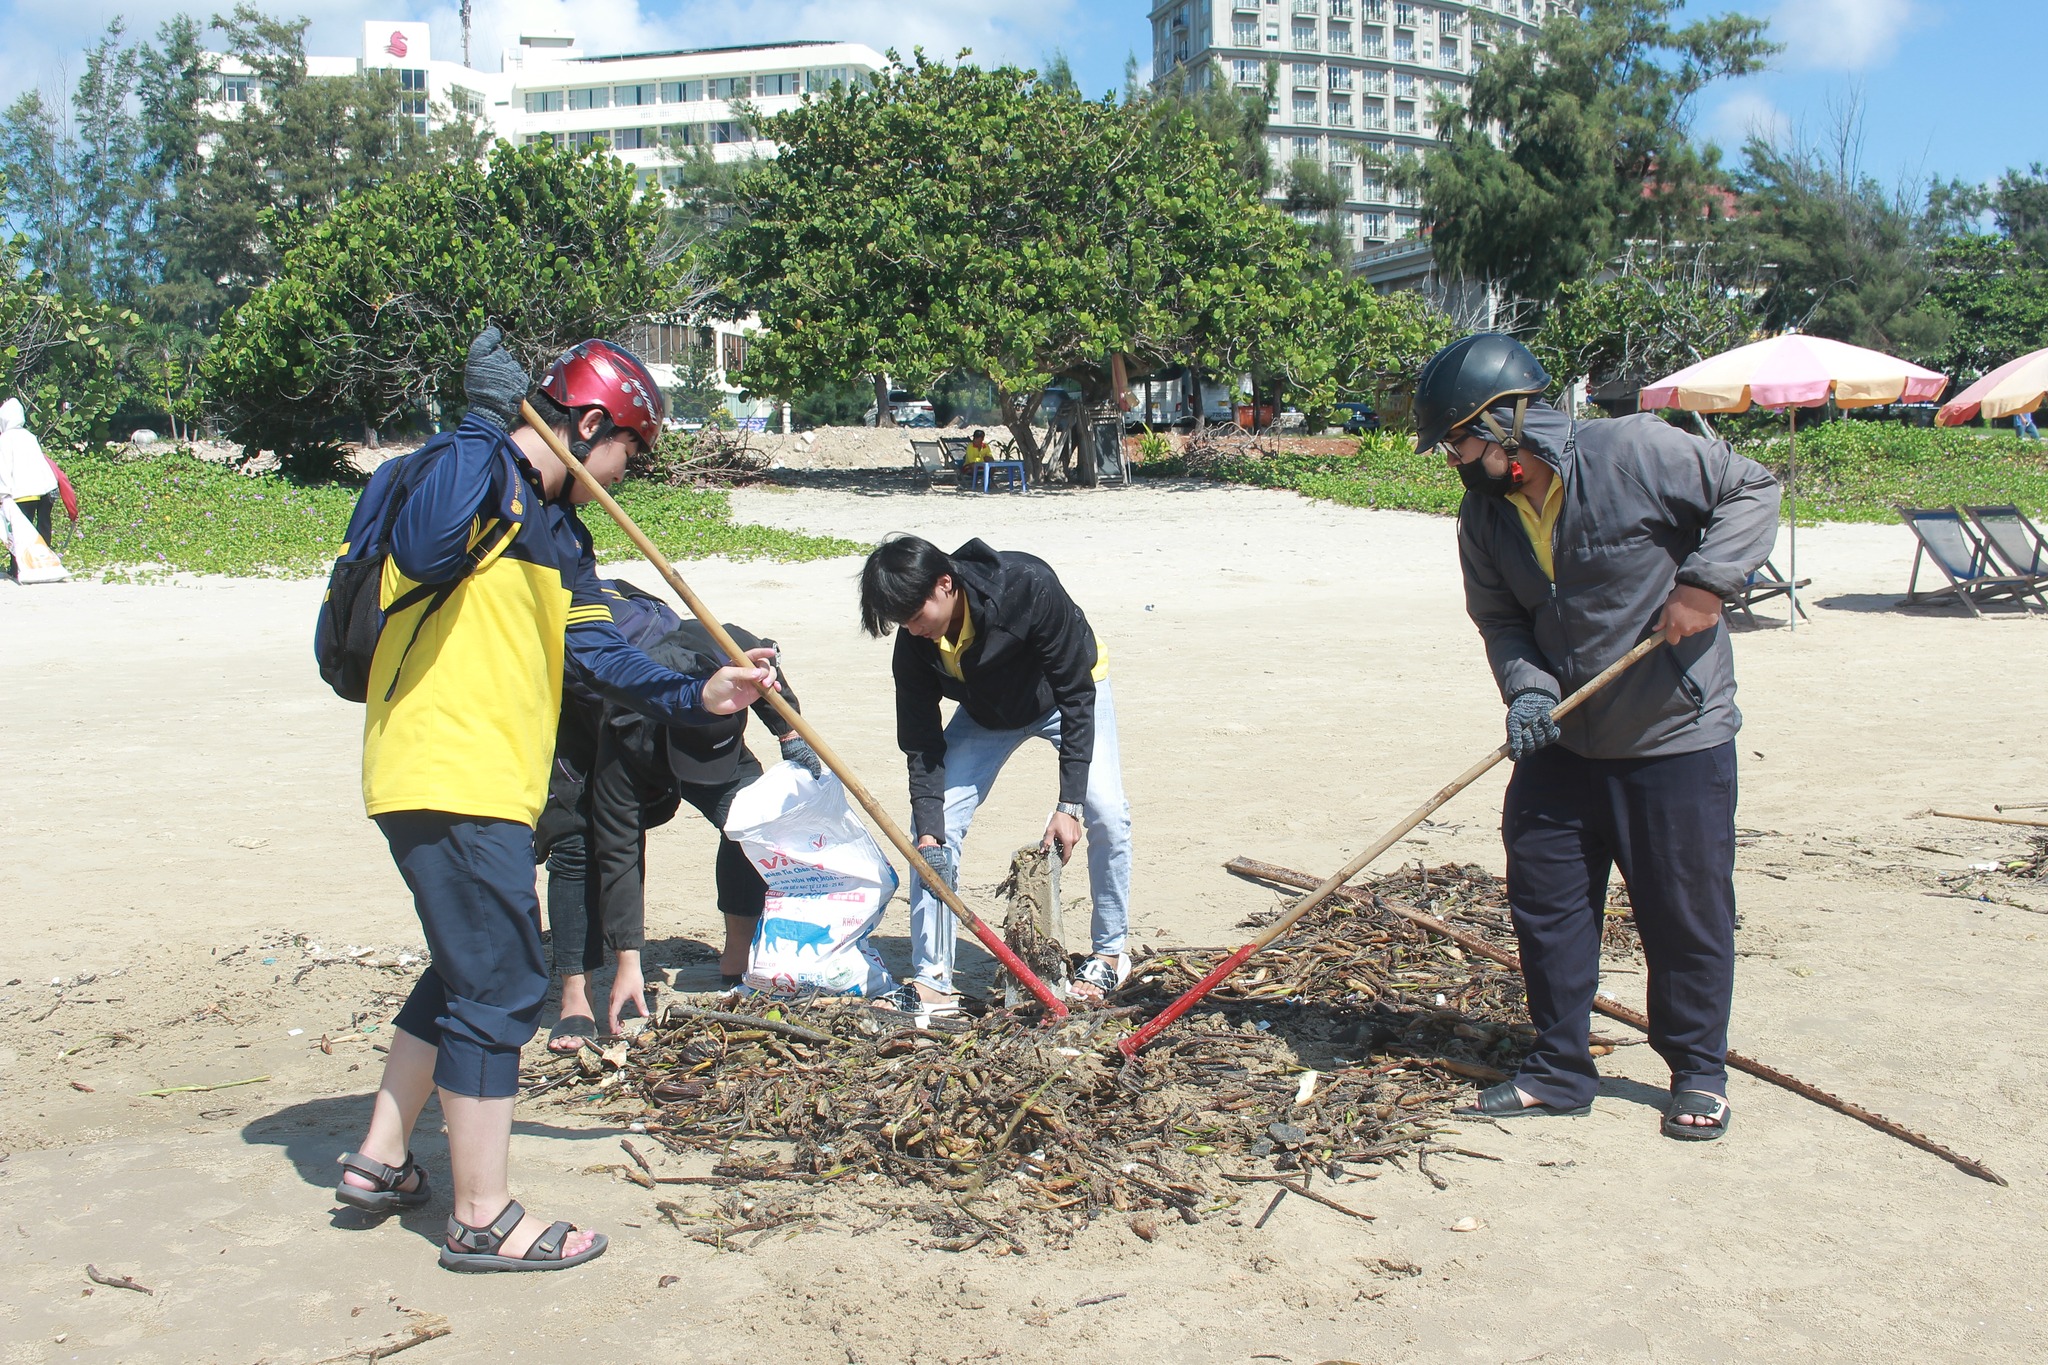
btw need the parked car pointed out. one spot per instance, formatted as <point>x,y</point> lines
<point>1358,418</point>
<point>907,408</point>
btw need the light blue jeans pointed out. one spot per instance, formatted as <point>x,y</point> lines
<point>974,756</point>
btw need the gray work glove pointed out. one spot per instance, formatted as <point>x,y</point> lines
<point>796,749</point>
<point>1529,724</point>
<point>494,383</point>
<point>944,862</point>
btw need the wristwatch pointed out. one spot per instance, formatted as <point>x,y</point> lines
<point>1072,808</point>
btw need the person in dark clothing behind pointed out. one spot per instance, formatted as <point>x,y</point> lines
<point>639,773</point>
<point>996,632</point>
<point>1578,540</point>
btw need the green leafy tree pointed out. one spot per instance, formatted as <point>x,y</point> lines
<point>2020,205</point>
<point>951,219</point>
<point>1577,142</point>
<point>59,355</point>
<point>1654,317</point>
<point>374,304</point>
<point>1833,252</point>
<point>1380,342</point>
<point>1995,298</point>
<point>294,151</point>
<point>1232,117</point>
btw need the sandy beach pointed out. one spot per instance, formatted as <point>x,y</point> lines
<point>190,872</point>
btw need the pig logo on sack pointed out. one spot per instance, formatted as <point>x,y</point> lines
<point>396,47</point>
<point>797,932</point>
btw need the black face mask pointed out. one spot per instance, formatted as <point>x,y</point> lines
<point>1475,477</point>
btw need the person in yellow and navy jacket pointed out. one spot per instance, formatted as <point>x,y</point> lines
<point>464,691</point>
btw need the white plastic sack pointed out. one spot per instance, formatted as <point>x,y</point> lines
<point>828,884</point>
<point>34,560</point>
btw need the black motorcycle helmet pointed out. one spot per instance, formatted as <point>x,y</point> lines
<point>1467,377</point>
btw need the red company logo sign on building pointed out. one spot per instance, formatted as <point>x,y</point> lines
<point>396,47</point>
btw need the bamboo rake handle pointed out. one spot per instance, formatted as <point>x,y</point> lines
<point>1613,1009</point>
<point>975,924</point>
<point>1164,1019</point>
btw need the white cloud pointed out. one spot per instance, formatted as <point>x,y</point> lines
<point>1845,35</point>
<point>1745,114</point>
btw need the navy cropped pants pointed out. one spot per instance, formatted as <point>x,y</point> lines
<point>1669,824</point>
<point>480,1001</point>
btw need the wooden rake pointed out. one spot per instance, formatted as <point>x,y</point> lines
<point>1133,1043</point>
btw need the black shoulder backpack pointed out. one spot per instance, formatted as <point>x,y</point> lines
<point>351,616</point>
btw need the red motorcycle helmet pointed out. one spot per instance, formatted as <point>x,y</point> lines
<point>599,374</point>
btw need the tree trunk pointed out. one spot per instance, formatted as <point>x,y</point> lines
<point>1017,413</point>
<point>370,438</point>
<point>885,416</point>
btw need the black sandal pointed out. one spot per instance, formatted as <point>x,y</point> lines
<point>384,1194</point>
<point>1697,1104</point>
<point>575,1026</point>
<point>476,1249</point>
<point>1503,1101</point>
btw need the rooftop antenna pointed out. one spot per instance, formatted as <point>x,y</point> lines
<point>465,32</point>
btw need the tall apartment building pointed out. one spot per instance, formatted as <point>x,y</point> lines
<point>1355,77</point>
<point>642,105</point>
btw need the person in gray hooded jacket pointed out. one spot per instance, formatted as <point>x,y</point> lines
<point>1578,540</point>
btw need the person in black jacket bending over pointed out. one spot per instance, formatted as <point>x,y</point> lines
<point>996,632</point>
<point>1578,540</point>
<point>619,774</point>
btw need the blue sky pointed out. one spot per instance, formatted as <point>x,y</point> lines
<point>1948,87</point>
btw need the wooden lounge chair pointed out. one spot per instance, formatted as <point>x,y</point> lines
<point>2014,540</point>
<point>1949,542</point>
<point>1762,586</point>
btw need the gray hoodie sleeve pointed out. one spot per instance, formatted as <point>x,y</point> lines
<point>1518,665</point>
<point>1732,498</point>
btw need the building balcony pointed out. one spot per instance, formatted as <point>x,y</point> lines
<point>1308,6</point>
<point>1341,118</point>
<point>1340,9</point>
<point>1340,42</point>
<point>1407,124</point>
<point>1307,116</point>
<point>1307,42</point>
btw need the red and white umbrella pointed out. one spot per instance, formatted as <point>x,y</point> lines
<point>2016,386</point>
<point>1794,371</point>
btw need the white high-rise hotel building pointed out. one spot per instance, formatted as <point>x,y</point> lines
<point>1355,76</point>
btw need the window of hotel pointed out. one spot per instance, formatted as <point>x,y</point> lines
<point>237,89</point>
<point>819,79</point>
<point>543,101</point>
<point>732,353</point>
<point>594,97</point>
<point>1247,71</point>
<point>782,83</point>
<point>681,92</point>
<point>1307,74</point>
<point>1404,48</point>
<point>596,138</point>
<point>1305,109</point>
<point>543,139</point>
<point>1310,147</point>
<point>1340,78</point>
<point>683,134</point>
<point>465,101</point>
<point>631,139</point>
<point>728,131</point>
<point>1375,224</point>
<point>1372,43</point>
<point>732,87</point>
<point>1340,111</point>
<point>1244,32</point>
<point>625,96</point>
<point>1340,38</point>
<point>1305,38</point>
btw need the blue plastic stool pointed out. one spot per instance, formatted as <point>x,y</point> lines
<point>1013,473</point>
